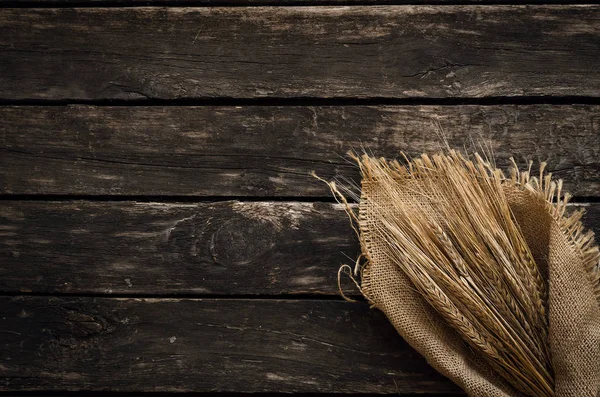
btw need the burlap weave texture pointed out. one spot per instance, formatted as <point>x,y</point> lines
<point>574,312</point>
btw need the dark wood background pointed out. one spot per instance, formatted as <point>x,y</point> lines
<point>159,229</point>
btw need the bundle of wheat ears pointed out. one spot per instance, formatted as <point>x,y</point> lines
<point>489,276</point>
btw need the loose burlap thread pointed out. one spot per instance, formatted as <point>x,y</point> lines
<point>574,312</point>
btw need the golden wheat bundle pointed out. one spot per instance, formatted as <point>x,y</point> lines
<point>482,273</point>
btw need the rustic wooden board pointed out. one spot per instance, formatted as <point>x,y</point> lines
<point>270,151</point>
<point>206,345</point>
<point>362,51</point>
<point>152,248</point>
<point>226,248</point>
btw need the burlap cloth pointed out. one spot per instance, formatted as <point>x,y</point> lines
<point>574,312</point>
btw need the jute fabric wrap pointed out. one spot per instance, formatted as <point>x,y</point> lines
<point>574,312</point>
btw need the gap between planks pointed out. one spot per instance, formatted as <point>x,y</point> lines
<point>272,3</point>
<point>312,101</point>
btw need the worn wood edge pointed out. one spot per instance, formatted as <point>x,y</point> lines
<point>282,3</point>
<point>357,52</point>
<point>269,151</point>
<point>208,249</point>
<point>187,345</point>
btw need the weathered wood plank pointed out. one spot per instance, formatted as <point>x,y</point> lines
<point>363,51</point>
<point>270,151</point>
<point>206,345</point>
<point>152,248</point>
<point>226,248</point>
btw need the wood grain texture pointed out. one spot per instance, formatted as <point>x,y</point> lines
<point>270,151</point>
<point>227,248</point>
<point>220,249</point>
<point>362,52</point>
<point>206,345</point>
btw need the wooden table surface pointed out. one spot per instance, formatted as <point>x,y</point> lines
<point>159,228</point>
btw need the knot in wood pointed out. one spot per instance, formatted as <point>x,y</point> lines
<point>81,324</point>
<point>242,241</point>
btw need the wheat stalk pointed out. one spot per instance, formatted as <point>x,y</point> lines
<point>464,252</point>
